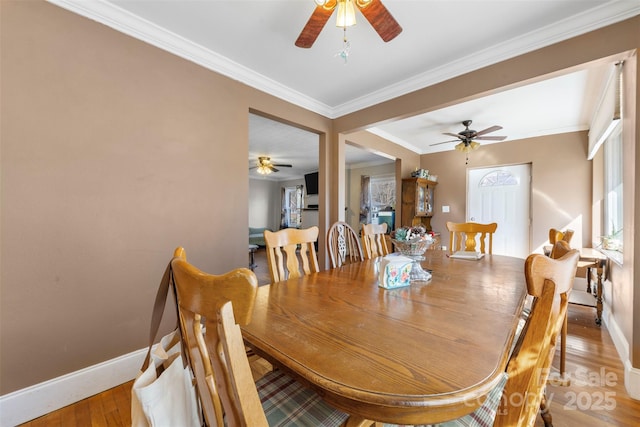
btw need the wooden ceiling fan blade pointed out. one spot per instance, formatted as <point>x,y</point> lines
<point>444,142</point>
<point>380,19</point>
<point>453,134</point>
<point>489,130</point>
<point>282,166</point>
<point>315,24</point>
<point>274,169</point>
<point>491,138</point>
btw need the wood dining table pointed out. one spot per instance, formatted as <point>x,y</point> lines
<point>420,354</point>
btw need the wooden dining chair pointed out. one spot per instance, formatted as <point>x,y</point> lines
<point>201,294</point>
<point>467,232</point>
<point>549,282</point>
<point>291,252</point>
<point>343,245</point>
<point>559,249</point>
<point>227,391</point>
<point>374,240</point>
<point>556,235</point>
<point>518,396</point>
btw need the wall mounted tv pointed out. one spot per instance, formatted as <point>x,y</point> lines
<point>311,183</point>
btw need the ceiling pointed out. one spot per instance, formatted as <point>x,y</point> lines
<point>253,42</point>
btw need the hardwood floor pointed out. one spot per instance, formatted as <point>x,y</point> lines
<point>262,268</point>
<point>595,397</point>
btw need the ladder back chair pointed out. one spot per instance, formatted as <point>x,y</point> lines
<point>224,378</point>
<point>549,282</point>
<point>343,245</point>
<point>559,249</point>
<point>557,235</point>
<point>467,232</point>
<point>199,295</point>
<point>374,240</point>
<point>291,252</point>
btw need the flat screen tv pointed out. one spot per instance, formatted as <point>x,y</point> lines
<point>311,182</point>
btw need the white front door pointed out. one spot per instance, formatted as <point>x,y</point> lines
<point>502,195</point>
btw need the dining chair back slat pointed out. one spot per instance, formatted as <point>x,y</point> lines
<point>343,245</point>
<point>291,252</point>
<point>200,295</point>
<point>467,232</point>
<point>374,240</point>
<point>556,235</point>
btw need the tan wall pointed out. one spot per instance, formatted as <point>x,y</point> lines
<point>113,153</point>
<point>560,183</point>
<point>264,198</point>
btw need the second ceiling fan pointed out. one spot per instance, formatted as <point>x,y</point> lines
<point>373,10</point>
<point>467,137</point>
<point>265,166</point>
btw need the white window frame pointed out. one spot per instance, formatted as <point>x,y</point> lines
<point>613,217</point>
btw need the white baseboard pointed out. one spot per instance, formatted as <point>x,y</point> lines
<point>40,399</point>
<point>631,374</point>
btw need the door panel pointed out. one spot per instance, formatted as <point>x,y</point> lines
<point>502,195</point>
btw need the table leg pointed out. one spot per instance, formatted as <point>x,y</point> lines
<point>588,280</point>
<point>563,345</point>
<point>252,264</point>
<point>599,294</point>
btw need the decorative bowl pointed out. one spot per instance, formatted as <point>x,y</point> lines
<point>412,248</point>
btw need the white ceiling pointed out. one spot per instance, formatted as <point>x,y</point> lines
<point>253,42</point>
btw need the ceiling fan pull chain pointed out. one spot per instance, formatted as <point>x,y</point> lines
<point>346,47</point>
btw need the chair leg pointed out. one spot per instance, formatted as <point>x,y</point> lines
<point>357,421</point>
<point>545,413</point>
<point>563,345</point>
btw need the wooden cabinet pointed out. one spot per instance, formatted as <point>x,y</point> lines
<point>417,202</point>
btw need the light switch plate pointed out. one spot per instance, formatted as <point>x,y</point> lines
<point>445,209</point>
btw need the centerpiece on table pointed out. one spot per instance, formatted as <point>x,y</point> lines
<point>413,242</point>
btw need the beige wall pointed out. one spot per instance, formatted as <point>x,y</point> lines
<point>114,152</point>
<point>560,183</point>
<point>264,209</point>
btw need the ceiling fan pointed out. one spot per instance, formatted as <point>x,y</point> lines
<point>265,166</point>
<point>467,137</point>
<point>373,10</point>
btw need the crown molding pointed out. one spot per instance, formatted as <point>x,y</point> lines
<point>125,22</point>
<point>606,14</point>
<point>108,14</point>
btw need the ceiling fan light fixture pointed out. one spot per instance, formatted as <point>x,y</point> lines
<point>465,148</point>
<point>264,170</point>
<point>346,16</point>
